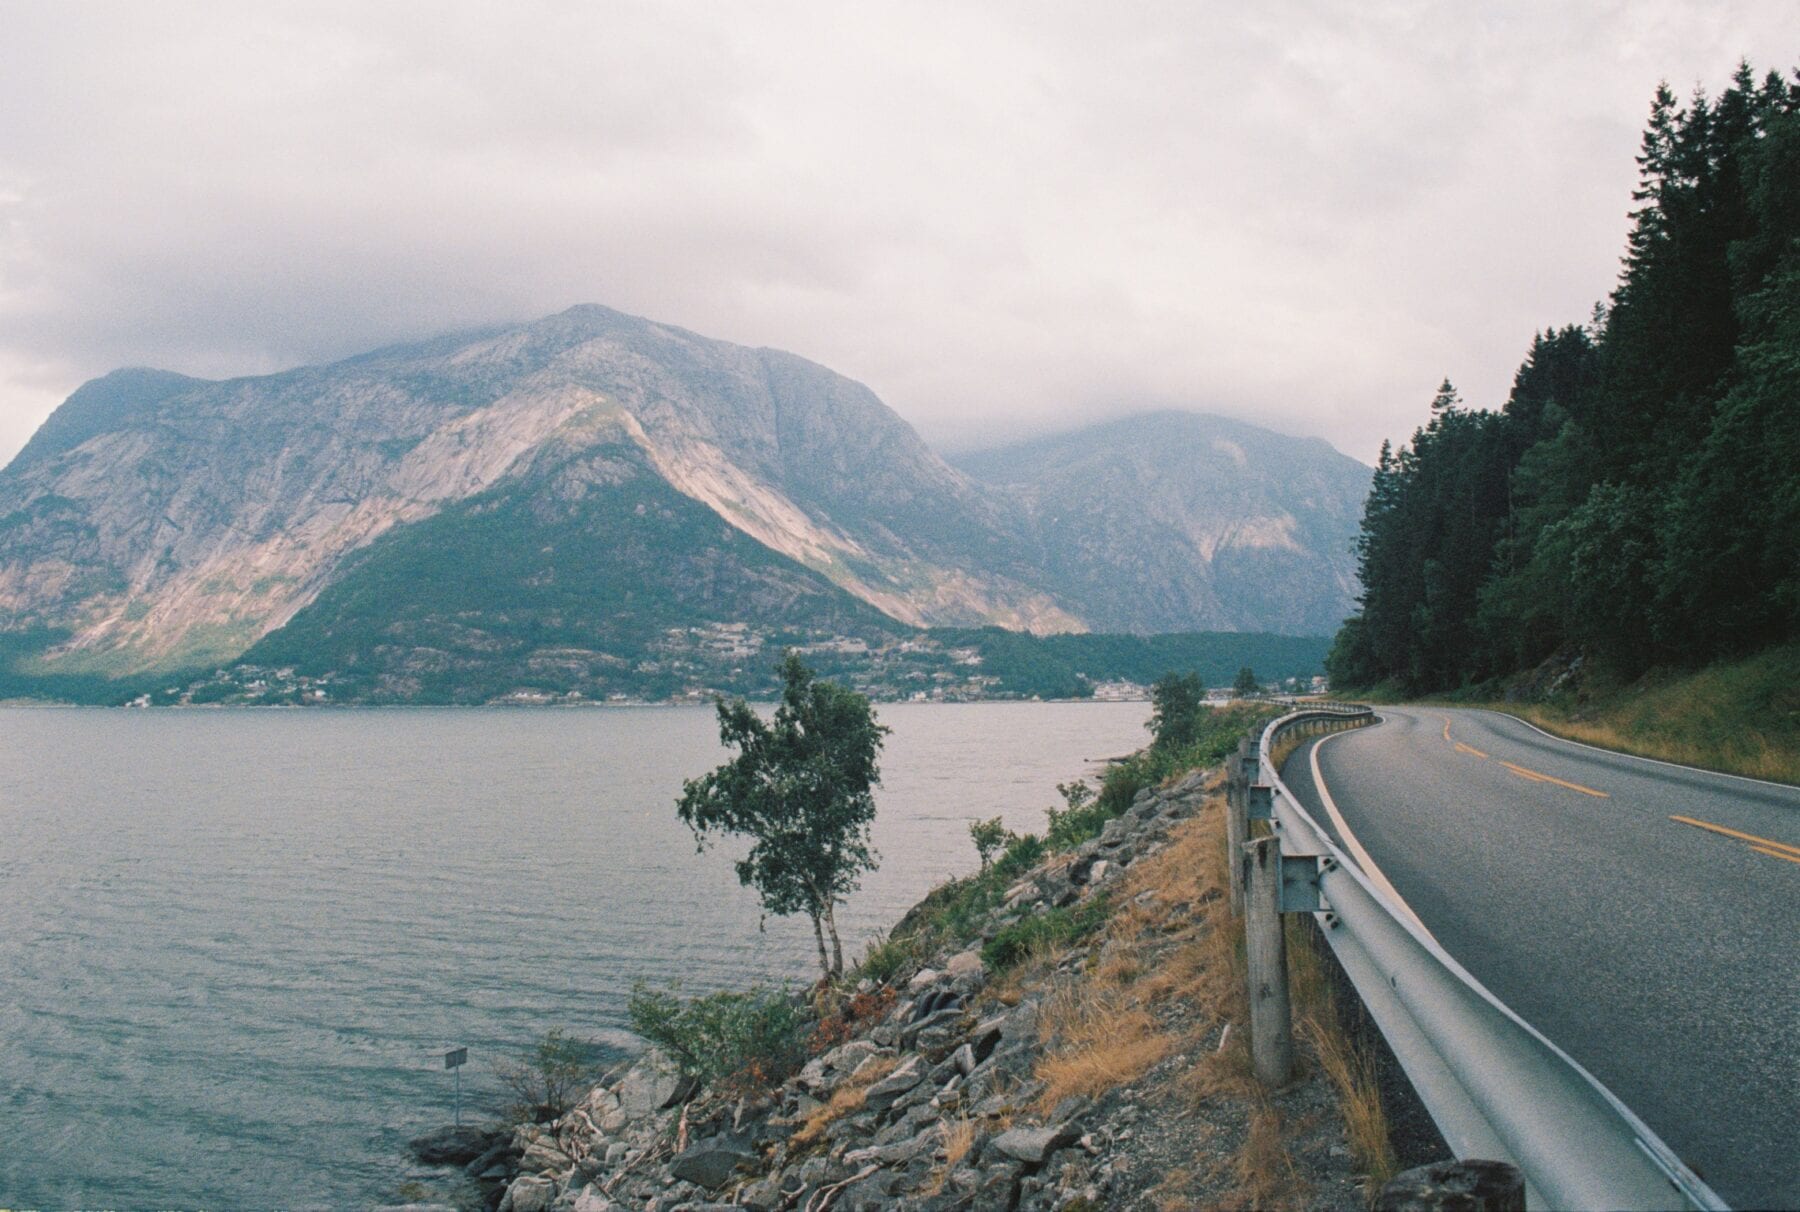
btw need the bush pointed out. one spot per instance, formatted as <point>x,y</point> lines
<point>748,1039</point>
<point>552,1077</point>
<point>1082,817</point>
<point>886,958</point>
<point>989,836</point>
<point>1022,854</point>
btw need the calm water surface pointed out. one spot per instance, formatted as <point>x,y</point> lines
<point>234,944</point>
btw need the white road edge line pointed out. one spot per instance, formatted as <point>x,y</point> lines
<point>1355,847</point>
<point>1636,757</point>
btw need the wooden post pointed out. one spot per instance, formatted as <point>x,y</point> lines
<point>1469,1185</point>
<point>1237,824</point>
<point>1265,951</point>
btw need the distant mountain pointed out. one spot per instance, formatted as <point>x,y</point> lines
<point>1173,521</point>
<point>595,500</point>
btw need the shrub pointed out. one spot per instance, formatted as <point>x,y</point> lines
<point>552,1077</point>
<point>1022,854</point>
<point>989,837</point>
<point>886,958</point>
<point>1082,817</point>
<point>745,1039</point>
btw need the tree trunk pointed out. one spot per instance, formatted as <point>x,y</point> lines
<point>819,937</point>
<point>837,948</point>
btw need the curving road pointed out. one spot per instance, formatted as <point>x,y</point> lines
<point>1645,917</point>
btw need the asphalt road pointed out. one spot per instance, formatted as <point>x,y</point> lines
<point>1661,953</point>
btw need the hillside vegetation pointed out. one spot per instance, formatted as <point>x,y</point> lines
<point>1738,716</point>
<point>1637,499</point>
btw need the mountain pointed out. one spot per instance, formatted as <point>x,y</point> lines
<point>595,500</point>
<point>1169,521</point>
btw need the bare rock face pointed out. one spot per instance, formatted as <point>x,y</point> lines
<point>162,521</point>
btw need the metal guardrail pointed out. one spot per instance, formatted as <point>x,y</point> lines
<point>1496,1087</point>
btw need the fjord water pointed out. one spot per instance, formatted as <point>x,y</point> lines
<point>234,944</point>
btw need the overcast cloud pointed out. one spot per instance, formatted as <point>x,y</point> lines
<point>1004,218</point>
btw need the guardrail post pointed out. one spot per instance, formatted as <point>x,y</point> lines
<point>1265,952</point>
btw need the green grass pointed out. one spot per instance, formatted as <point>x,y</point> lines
<point>1043,931</point>
<point>1740,717</point>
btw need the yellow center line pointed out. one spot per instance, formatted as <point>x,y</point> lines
<point>1550,778</point>
<point>1534,775</point>
<point>1792,858</point>
<point>1786,850</point>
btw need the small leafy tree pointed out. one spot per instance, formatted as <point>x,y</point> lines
<point>990,837</point>
<point>551,1077</point>
<point>800,790</point>
<point>1246,682</point>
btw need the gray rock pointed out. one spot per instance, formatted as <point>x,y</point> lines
<point>881,1095</point>
<point>650,1086</point>
<point>999,1186</point>
<point>492,1157</point>
<point>846,1057</point>
<point>923,979</point>
<point>1032,1145</point>
<point>590,1200</point>
<point>964,1058</point>
<point>531,1193</point>
<point>965,963</point>
<point>712,1163</point>
<point>897,1153</point>
<point>454,1146</point>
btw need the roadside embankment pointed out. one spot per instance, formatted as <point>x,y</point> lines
<point>1058,1031</point>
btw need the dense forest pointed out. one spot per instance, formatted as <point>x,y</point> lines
<point>1637,500</point>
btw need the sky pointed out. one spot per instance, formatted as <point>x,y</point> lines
<point>1005,218</point>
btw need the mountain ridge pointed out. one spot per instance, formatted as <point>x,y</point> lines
<point>158,521</point>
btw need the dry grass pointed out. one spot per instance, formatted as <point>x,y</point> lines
<point>1265,1171</point>
<point>1343,1061</point>
<point>847,1099</point>
<point>1104,1038</point>
<point>959,1138</point>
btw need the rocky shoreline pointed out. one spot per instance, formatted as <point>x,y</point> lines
<point>959,1085</point>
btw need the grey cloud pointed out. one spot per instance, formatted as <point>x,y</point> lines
<point>1003,217</point>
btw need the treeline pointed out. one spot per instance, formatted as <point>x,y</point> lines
<point>1638,497</point>
<point>1068,666</point>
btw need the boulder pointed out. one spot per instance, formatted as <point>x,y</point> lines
<point>590,1200</point>
<point>712,1163</point>
<point>1032,1145</point>
<point>897,1153</point>
<point>494,1155</point>
<point>651,1085</point>
<point>532,1193</point>
<point>881,1095</point>
<point>454,1146</point>
<point>924,978</point>
<point>965,963</point>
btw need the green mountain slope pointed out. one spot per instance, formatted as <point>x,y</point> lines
<point>565,583</point>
